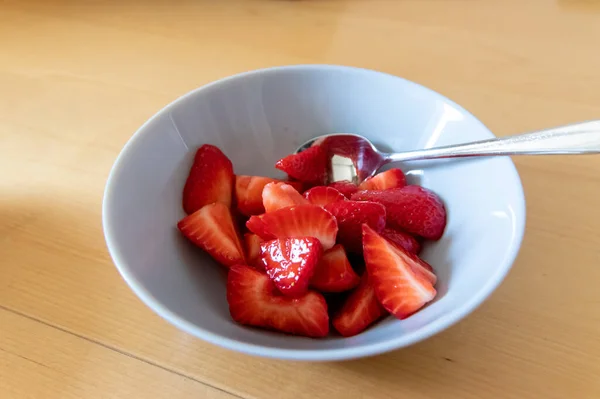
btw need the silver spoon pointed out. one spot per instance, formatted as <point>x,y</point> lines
<point>354,158</point>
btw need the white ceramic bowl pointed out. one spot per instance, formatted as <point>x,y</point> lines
<point>261,116</point>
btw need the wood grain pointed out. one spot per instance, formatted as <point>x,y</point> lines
<point>77,78</point>
<point>38,360</point>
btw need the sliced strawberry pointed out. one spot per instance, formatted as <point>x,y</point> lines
<point>322,195</point>
<point>414,209</point>
<point>249,190</point>
<point>345,187</point>
<point>281,195</point>
<point>212,229</point>
<point>256,225</point>
<point>424,268</point>
<point>393,178</point>
<point>253,300</point>
<point>350,216</point>
<point>334,272</point>
<point>210,179</point>
<point>359,311</point>
<point>396,275</point>
<point>408,243</point>
<point>252,243</point>
<point>291,262</point>
<point>309,166</point>
<point>402,239</point>
<point>296,221</point>
<point>248,193</point>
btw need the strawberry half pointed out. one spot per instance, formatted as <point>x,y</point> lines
<point>402,239</point>
<point>309,166</point>
<point>254,301</point>
<point>424,268</point>
<point>281,195</point>
<point>249,190</point>
<point>410,244</point>
<point>345,187</point>
<point>350,216</point>
<point>291,262</point>
<point>212,229</point>
<point>256,225</point>
<point>248,193</point>
<point>334,272</point>
<point>252,243</point>
<point>396,275</point>
<point>393,178</point>
<point>296,221</point>
<point>414,209</point>
<point>322,195</point>
<point>359,311</point>
<point>210,180</point>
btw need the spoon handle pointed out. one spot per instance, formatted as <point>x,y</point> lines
<point>577,138</point>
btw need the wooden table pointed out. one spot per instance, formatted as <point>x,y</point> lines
<point>78,77</point>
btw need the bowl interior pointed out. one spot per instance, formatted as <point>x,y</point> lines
<point>259,117</point>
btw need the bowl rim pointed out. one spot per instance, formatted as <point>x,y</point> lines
<point>336,354</point>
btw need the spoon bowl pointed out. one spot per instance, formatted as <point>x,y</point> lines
<point>350,157</point>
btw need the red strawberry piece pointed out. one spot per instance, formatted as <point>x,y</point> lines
<point>334,272</point>
<point>402,239</point>
<point>309,166</point>
<point>414,209</point>
<point>291,262</point>
<point>210,179</point>
<point>296,221</point>
<point>345,187</point>
<point>396,275</point>
<point>248,193</point>
<point>359,311</point>
<point>424,268</point>
<point>322,195</point>
<point>408,243</point>
<point>249,190</point>
<point>280,195</point>
<point>256,225</point>
<point>350,216</point>
<point>252,243</point>
<point>212,229</point>
<point>393,178</point>
<point>254,301</point>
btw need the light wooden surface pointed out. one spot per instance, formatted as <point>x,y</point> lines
<point>78,77</point>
